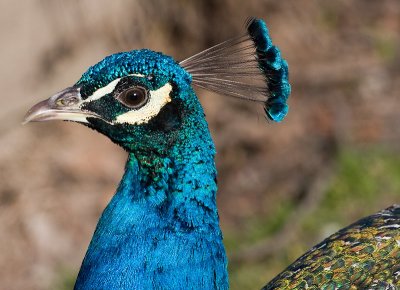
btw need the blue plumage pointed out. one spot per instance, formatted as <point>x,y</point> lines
<point>149,63</point>
<point>161,229</point>
<point>161,233</point>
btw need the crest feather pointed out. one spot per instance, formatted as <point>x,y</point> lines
<point>248,67</point>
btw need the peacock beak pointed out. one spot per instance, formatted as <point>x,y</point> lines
<point>64,105</point>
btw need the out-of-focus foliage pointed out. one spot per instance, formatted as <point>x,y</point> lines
<point>283,187</point>
<point>364,179</point>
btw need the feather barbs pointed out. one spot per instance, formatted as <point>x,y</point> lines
<point>247,67</point>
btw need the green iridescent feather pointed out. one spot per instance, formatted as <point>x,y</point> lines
<point>364,255</point>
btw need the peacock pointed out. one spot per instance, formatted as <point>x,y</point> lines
<point>161,228</point>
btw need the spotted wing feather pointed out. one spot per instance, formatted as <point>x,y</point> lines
<point>364,255</point>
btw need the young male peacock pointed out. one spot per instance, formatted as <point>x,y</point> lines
<point>161,228</point>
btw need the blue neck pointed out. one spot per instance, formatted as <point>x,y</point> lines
<point>161,229</point>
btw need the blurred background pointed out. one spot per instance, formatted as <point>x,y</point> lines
<point>283,187</point>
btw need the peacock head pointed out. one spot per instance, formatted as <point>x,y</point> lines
<point>142,100</point>
<point>136,98</point>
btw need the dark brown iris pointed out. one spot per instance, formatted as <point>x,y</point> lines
<point>133,98</point>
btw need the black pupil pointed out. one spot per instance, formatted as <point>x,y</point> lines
<point>133,97</point>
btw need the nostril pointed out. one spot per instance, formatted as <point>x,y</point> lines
<point>66,98</point>
<point>65,101</point>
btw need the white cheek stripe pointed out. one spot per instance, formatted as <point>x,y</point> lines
<point>106,90</point>
<point>157,100</point>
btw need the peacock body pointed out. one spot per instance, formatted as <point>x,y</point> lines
<point>161,228</point>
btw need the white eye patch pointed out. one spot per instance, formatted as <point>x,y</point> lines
<point>157,100</point>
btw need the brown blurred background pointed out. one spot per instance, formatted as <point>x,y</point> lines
<point>283,187</point>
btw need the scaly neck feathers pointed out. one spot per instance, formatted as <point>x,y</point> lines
<point>161,229</point>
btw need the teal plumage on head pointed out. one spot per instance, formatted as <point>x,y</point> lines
<point>154,122</point>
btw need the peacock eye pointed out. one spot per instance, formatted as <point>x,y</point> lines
<point>134,98</point>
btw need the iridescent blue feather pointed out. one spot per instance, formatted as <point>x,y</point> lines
<point>275,69</point>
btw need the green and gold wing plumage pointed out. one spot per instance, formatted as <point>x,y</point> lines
<point>364,255</point>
